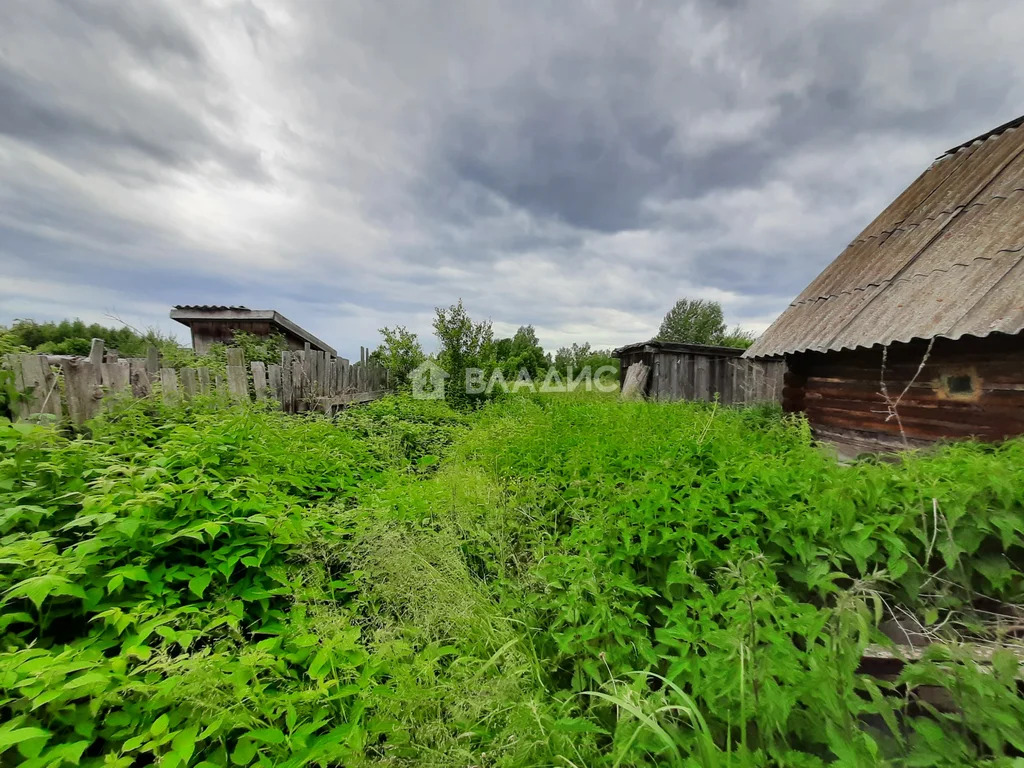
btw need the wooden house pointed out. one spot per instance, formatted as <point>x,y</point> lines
<point>210,325</point>
<point>914,333</point>
<point>702,372</point>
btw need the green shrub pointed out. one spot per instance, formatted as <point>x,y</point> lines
<point>550,580</point>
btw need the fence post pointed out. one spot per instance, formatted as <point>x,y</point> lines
<point>83,390</point>
<point>259,379</point>
<point>169,385</point>
<point>188,382</point>
<point>238,382</point>
<point>152,361</point>
<point>204,381</point>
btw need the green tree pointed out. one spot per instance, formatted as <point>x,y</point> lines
<point>74,337</point>
<point>463,345</point>
<point>522,352</point>
<point>579,356</point>
<point>399,353</point>
<point>693,321</point>
<point>738,337</point>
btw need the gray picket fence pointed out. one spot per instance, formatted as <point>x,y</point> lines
<point>79,388</point>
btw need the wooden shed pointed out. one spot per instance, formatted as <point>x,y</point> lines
<point>702,372</point>
<point>914,333</point>
<point>211,325</point>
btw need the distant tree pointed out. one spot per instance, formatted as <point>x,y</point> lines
<point>522,352</point>
<point>693,321</point>
<point>738,337</point>
<point>502,349</point>
<point>579,356</point>
<point>399,353</point>
<point>464,344</point>
<point>74,337</point>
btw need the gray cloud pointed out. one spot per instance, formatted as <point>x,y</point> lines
<point>578,167</point>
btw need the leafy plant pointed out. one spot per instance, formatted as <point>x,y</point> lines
<point>550,580</point>
<point>400,352</point>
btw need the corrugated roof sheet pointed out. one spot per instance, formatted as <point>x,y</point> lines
<point>944,259</point>
<point>205,307</point>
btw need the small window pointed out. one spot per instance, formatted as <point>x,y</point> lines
<point>960,385</point>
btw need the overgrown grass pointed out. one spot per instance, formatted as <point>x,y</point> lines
<point>549,581</point>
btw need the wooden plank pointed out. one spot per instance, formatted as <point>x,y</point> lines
<point>169,385</point>
<point>37,374</point>
<point>332,378</point>
<point>115,376</point>
<point>13,361</point>
<point>96,354</point>
<point>238,380</point>
<point>274,382</point>
<point>298,384</point>
<point>189,383</point>
<point>138,377</point>
<point>259,379</point>
<point>204,381</point>
<point>152,361</point>
<point>701,378</point>
<point>287,386</point>
<point>82,389</point>
<point>352,398</point>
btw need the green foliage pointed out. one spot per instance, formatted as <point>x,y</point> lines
<point>464,345</point>
<point>700,321</point>
<point>550,580</point>
<point>737,337</point>
<point>693,321</point>
<point>74,337</point>
<point>579,356</point>
<point>399,353</point>
<point>522,352</point>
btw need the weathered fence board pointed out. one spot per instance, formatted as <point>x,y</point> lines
<point>189,383</point>
<point>169,385</point>
<point>79,386</point>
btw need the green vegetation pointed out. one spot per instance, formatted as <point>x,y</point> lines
<point>700,321</point>
<point>463,345</point>
<point>400,353</point>
<point>579,356</point>
<point>547,581</point>
<point>74,337</point>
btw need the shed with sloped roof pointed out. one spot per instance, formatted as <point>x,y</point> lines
<point>217,324</point>
<point>914,333</point>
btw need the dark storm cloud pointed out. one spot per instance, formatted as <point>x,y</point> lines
<point>77,89</point>
<point>574,166</point>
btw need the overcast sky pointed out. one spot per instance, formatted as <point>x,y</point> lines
<point>575,166</point>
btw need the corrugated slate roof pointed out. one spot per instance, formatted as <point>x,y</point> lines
<point>205,307</point>
<point>946,258</point>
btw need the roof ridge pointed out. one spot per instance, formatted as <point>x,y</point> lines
<point>997,131</point>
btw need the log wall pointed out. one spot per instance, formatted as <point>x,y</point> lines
<point>967,388</point>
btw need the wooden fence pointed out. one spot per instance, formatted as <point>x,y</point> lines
<point>701,372</point>
<point>79,387</point>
